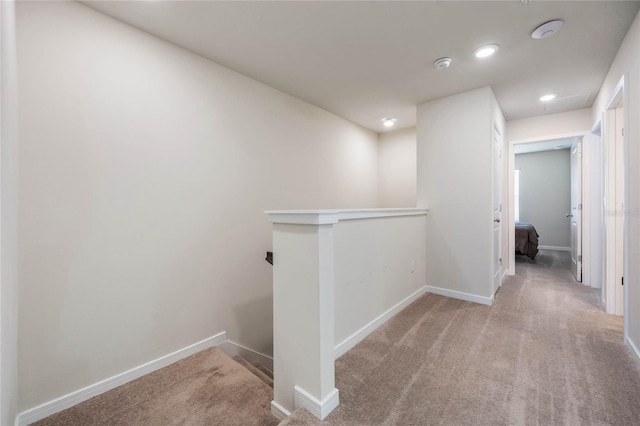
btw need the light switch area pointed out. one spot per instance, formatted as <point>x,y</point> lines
<point>413,266</point>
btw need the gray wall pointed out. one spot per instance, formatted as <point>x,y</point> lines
<point>545,194</point>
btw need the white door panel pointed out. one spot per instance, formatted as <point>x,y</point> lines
<point>619,212</point>
<point>576,210</point>
<point>497,208</point>
<point>614,208</point>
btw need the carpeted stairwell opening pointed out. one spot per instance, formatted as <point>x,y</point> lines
<point>261,372</point>
<point>207,388</point>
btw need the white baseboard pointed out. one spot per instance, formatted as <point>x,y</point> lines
<point>320,409</point>
<point>48,408</point>
<point>460,295</point>
<point>633,348</point>
<point>232,349</point>
<point>348,343</point>
<point>554,248</point>
<point>279,411</point>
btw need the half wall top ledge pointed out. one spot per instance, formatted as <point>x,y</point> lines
<point>331,216</point>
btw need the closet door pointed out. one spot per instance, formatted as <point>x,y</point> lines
<point>576,210</point>
<point>497,208</point>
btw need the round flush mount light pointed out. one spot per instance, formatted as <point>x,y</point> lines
<point>548,97</point>
<point>486,51</point>
<point>389,121</point>
<point>547,29</point>
<point>442,63</point>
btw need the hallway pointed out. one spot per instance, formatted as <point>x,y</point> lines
<point>544,353</point>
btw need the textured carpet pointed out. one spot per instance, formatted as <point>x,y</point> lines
<point>207,388</point>
<point>260,373</point>
<point>543,354</point>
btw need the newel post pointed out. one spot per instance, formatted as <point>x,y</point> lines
<point>303,321</point>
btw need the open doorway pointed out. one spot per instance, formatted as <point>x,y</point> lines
<point>591,213</point>
<point>542,189</point>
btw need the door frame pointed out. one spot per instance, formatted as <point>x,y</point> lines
<point>511,158</point>
<point>619,95</point>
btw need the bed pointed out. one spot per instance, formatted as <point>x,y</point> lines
<point>526,240</point>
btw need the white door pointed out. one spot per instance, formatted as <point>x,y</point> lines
<point>576,209</point>
<point>619,209</point>
<point>497,208</point>
<point>614,208</point>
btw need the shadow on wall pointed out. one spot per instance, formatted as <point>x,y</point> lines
<point>250,314</point>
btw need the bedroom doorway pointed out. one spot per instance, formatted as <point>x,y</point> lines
<point>541,191</point>
<point>544,168</point>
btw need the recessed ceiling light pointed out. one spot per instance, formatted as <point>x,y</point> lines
<point>548,97</point>
<point>389,121</point>
<point>486,51</point>
<point>547,29</point>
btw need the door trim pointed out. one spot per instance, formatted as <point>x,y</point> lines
<point>511,240</point>
<point>619,95</point>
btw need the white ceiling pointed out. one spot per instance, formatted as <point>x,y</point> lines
<point>371,59</point>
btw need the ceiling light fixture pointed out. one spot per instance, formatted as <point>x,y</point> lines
<point>548,97</point>
<point>547,29</point>
<point>442,63</point>
<point>486,51</point>
<point>526,2</point>
<point>389,121</point>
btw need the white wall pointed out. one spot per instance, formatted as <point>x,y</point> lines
<point>378,263</point>
<point>542,126</point>
<point>8,218</point>
<point>627,62</point>
<point>144,173</point>
<point>397,168</point>
<point>454,183</point>
<point>545,194</point>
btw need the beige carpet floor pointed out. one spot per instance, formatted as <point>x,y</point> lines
<point>543,354</point>
<point>207,388</point>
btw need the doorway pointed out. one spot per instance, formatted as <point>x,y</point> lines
<point>546,164</point>
<point>615,259</point>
